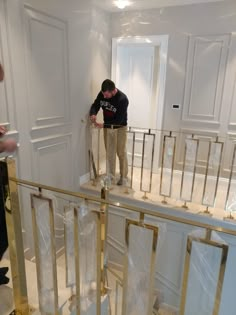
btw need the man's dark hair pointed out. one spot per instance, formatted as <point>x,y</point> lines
<point>108,85</point>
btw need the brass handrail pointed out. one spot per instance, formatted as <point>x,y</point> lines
<point>109,202</point>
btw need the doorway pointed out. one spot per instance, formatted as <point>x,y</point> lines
<point>139,69</point>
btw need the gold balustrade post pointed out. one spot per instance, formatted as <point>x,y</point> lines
<point>15,240</point>
<point>104,224</point>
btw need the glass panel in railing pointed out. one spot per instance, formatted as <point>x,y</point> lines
<point>147,163</point>
<point>137,150</point>
<point>189,169</point>
<point>45,253</point>
<point>86,256</point>
<point>139,269</point>
<point>212,173</point>
<point>69,244</point>
<point>206,258</point>
<point>168,156</point>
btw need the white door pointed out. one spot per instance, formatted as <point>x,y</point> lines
<point>209,100</point>
<point>35,97</point>
<point>137,74</point>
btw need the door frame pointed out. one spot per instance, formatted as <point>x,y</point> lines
<point>160,41</point>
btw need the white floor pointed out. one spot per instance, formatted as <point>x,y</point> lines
<point>218,211</point>
<point>6,293</point>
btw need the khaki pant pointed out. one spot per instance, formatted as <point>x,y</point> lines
<point>115,143</point>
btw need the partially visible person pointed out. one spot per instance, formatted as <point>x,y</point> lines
<point>8,146</point>
<point>114,104</point>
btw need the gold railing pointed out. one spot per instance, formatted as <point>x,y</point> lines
<point>143,233</point>
<point>169,167</point>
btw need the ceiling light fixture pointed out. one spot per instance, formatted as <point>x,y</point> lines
<point>122,4</point>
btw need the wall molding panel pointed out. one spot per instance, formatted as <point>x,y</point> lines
<point>48,80</point>
<point>206,72</point>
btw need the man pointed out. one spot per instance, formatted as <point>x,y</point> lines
<point>8,145</point>
<point>114,104</point>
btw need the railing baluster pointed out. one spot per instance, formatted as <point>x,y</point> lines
<point>149,134</point>
<point>77,260</point>
<point>230,206</point>
<point>15,240</point>
<point>168,157</point>
<point>189,156</point>
<point>45,303</point>
<point>214,157</point>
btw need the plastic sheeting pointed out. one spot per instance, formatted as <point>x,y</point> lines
<point>45,256</point>
<point>204,272</point>
<point>70,245</point>
<point>139,254</point>
<point>87,254</point>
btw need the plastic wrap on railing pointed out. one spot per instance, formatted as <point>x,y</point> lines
<point>138,271</point>
<point>69,244</point>
<point>87,256</point>
<point>206,258</point>
<point>45,253</point>
<point>138,293</point>
<point>161,304</point>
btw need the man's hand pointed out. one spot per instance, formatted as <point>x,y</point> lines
<point>3,131</point>
<point>9,145</point>
<point>93,118</point>
<point>99,125</point>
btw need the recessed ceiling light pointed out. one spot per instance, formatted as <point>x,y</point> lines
<point>121,4</point>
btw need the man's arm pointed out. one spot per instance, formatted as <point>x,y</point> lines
<point>122,111</point>
<point>95,109</point>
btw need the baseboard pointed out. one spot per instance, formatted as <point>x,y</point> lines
<point>84,179</point>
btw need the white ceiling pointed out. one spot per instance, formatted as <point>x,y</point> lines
<point>109,5</point>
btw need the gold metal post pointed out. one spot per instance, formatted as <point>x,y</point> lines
<point>104,230</point>
<point>230,217</point>
<point>77,262</point>
<point>100,257</point>
<point>16,247</point>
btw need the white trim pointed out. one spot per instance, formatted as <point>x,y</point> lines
<point>84,179</point>
<point>115,266</point>
<point>162,42</point>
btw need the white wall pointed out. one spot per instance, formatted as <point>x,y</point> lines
<point>61,46</point>
<point>181,23</point>
<point>89,47</point>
